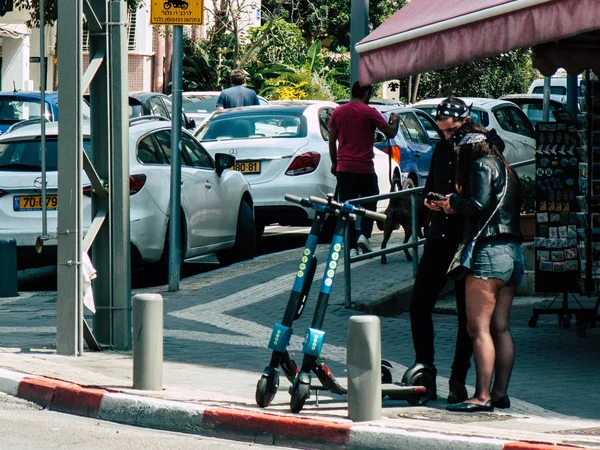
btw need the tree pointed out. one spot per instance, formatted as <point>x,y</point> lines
<point>51,10</point>
<point>489,78</point>
<point>327,20</point>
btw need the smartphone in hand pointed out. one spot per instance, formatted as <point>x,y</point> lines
<point>432,196</point>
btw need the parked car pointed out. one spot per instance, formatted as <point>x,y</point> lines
<point>380,104</point>
<point>412,146</point>
<point>155,104</point>
<point>532,105</point>
<point>216,204</point>
<point>25,105</point>
<point>282,149</point>
<point>558,86</point>
<point>509,121</point>
<point>198,105</point>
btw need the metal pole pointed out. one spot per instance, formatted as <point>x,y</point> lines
<point>43,117</point>
<point>148,341</point>
<point>69,305</point>
<point>347,275</point>
<point>119,172</point>
<point>415,235</point>
<point>546,100</point>
<point>572,95</point>
<point>359,28</point>
<point>174,228</point>
<point>363,361</point>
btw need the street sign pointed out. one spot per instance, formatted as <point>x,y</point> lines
<point>177,12</point>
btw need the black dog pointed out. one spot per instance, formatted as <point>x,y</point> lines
<point>398,213</point>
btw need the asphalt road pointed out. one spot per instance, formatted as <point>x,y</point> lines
<point>25,426</point>
<point>275,239</point>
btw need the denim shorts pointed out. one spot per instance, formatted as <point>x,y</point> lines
<point>500,257</point>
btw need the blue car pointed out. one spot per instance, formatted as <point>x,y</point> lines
<point>412,147</point>
<point>24,105</point>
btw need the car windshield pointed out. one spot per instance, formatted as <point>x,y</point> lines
<point>275,125</point>
<point>534,109</point>
<point>26,156</point>
<point>199,103</point>
<point>479,117</point>
<point>12,111</point>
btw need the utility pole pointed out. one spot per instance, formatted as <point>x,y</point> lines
<point>359,28</point>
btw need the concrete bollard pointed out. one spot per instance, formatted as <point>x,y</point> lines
<point>147,341</point>
<point>363,360</point>
<point>9,280</point>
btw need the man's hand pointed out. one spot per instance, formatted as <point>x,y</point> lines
<point>432,205</point>
<point>333,168</point>
<point>445,205</point>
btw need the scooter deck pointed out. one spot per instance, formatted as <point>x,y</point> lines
<point>390,389</point>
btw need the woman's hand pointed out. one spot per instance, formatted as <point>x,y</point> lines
<point>444,205</point>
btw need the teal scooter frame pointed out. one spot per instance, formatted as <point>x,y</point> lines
<point>414,389</point>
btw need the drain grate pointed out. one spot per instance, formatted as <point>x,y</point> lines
<point>441,415</point>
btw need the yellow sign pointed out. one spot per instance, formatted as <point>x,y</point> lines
<point>177,12</point>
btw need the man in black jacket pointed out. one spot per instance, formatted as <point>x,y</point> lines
<point>443,237</point>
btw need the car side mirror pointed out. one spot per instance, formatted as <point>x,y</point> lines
<point>191,124</point>
<point>223,161</point>
<point>380,137</point>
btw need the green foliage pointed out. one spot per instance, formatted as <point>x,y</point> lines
<point>51,10</point>
<point>489,78</point>
<point>327,20</point>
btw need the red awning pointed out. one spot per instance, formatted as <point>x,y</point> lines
<point>429,35</point>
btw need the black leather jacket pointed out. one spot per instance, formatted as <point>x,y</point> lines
<point>479,200</point>
<point>441,180</point>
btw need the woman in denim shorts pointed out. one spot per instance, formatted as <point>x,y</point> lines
<point>484,181</point>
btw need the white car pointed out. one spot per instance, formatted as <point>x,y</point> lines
<point>509,121</point>
<point>282,149</point>
<point>216,205</point>
<point>198,105</point>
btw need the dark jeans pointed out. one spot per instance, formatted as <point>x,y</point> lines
<point>355,185</point>
<point>429,282</point>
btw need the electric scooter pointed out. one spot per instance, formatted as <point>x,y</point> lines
<point>415,387</point>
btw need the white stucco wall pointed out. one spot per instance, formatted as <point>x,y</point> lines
<point>15,63</point>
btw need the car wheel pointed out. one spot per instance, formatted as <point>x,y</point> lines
<point>245,238</point>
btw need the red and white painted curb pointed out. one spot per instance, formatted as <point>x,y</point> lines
<point>233,423</point>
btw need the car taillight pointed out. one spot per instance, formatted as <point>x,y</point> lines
<point>304,163</point>
<point>87,191</point>
<point>136,183</point>
<point>395,152</point>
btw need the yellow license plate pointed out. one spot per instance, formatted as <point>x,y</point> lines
<point>247,166</point>
<point>34,202</point>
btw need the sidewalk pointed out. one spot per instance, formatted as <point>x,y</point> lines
<point>216,330</point>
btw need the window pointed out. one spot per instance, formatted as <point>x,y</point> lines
<point>26,156</point>
<point>157,108</point>
<point>193,154</point>
<point>430,127</point>
<point>413,131</point>
<point>148,153</point>
<point>514,120</point>
<point>275,125</point>
<point>324,116</point>
<point>164,140</point>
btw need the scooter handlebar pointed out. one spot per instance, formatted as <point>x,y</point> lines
<point>357,210</point>
<point>293,198</point>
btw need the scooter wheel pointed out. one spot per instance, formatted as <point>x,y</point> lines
<point>300,394</point>
<point>422,378</point>
<point>266,388</point>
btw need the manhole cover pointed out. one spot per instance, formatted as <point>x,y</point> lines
<point>441,415</point>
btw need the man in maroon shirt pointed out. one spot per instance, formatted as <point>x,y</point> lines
<point>351,138</point>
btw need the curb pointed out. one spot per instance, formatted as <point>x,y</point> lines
<point>235,423</point>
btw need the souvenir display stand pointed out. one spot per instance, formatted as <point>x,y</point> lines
<point>567,231</point>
